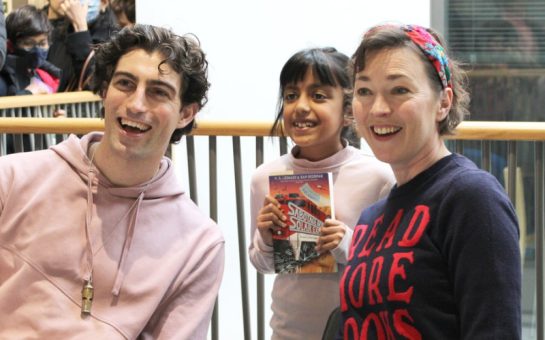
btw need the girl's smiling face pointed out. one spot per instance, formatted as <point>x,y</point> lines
<point>313,117</point>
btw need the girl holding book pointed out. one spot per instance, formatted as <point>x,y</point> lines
<point>315,109</point>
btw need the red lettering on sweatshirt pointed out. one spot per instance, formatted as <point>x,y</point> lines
<point>387,327</point>
<point>359,272</point>
<point>403,328</point>
<point>398,270</point>
<point>372,318</point>
<point>411,236</point>
<point>359,232</point>
<point>374,278</point>
<point>379,326</point>
<point>368,247</point>
<point>390,233</point>
<point>342,285</point>
<point>350,329</point>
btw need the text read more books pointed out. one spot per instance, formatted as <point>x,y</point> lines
<point>306,200</point>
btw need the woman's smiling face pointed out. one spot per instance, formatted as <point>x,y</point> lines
<point>397,111</point>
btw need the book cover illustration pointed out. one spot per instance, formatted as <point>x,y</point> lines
<point>306,200</point>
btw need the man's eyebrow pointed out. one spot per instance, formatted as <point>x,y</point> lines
<point>123,74</point>
<point>158,82</point>
<point>155,82</point>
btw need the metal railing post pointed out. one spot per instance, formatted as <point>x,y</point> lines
<point>213,187</point>
<point>241,238</point>
<point>539,227</point>
<point>260,278</point>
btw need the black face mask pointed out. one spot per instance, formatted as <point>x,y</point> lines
<point>33,58</point>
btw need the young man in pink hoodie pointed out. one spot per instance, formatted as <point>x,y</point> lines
<point>98,240</point>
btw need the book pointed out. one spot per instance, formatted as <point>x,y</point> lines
<point>306,199</point>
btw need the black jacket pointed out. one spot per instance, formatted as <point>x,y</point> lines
<point>15,75</point>
<point>3,38</point>
<point>70,49</point>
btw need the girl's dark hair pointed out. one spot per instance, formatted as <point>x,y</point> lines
<point>26,21</point>
<point>329,67</point>
<point>182,53</point>
<point>390,36</point>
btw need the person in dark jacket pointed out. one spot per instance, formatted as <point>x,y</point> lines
<point>26,70</point>
<point>2,37</point>
<point>77,25</point>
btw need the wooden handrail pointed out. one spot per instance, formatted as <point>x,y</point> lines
<point>470,130</point>
<point>476,130</point>
<point>47,99</point>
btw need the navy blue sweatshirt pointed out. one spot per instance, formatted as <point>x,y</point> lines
<point>438,258</point>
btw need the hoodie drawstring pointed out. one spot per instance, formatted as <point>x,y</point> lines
<point>120,275</point>
<point>87,290</point>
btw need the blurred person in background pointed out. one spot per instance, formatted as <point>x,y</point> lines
<point>125,12</point>
<point>77,25</point>
<point>26,70</point>
<point>2,37</point>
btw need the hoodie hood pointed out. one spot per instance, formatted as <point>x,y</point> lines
<point>163,184</point>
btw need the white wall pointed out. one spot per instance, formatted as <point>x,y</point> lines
<point>247,42</point>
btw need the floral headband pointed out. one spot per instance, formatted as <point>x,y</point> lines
<point>432,49</point>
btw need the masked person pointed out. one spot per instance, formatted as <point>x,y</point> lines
<point>77,24</point>
<point>26,70</point>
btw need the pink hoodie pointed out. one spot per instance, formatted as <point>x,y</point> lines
<point>157,260</point>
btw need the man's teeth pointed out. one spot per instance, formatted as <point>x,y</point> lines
<point>134,125</point>
<point>304,124</point>
<point>385,130</point>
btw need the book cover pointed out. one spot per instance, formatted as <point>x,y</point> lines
<point>307,200</point>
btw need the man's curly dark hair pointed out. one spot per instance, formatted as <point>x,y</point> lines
<point>182,53</point>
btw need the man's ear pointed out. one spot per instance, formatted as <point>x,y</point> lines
<point>444,104</point>
<point>187,115</point>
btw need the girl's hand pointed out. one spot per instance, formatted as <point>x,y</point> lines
<point>270,219</point>
<point>331,234</point>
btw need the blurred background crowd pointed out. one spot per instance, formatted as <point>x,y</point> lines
<point>47,46</point>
